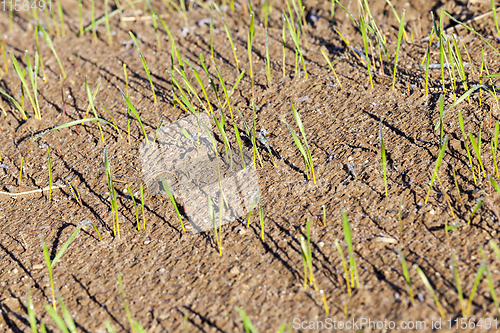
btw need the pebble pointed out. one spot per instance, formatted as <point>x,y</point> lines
<point>235,270</point>
<point>15,271</point>
<point>38,266</point>
<point>321,244</point>
<point>432,212</point>
<point>161,270</point>
<point>147,242</point>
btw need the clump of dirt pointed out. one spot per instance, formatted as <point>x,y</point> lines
<point>176,281</point>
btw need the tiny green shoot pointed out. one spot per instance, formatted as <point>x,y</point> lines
<point>428,285</point>
<point>436,168</point>
<point>400,35</point>
<point>479,203</point>
<point>144,64</point>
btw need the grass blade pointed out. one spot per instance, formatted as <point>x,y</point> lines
<point>348,238</point>
<point>144,64</point>
<point>479,275</point>
<point>382,151</point>
<point>431,290</point>
<point>134,111</point>
<point>406,274</point>
<point>51,46</point>
<point>127,311</point>
<point>436,168</point>
<point>400,36</point>
<point>479,203</point>
<point>171,197</point>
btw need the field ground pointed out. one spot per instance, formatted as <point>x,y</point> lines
<point>176,281</point>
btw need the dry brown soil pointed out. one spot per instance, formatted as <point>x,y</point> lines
<point>169,274</point>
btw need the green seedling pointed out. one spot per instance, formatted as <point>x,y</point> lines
<point>283,45</point>
<point>91,103</point>
<point>431,290</point>
<point>348,238</point>
<point>251,34</point>
<point>50,175</point>
<point>331,66</point>
<point>382,151</point>
<point>406,274</point>
<point>436,168</point>
<point>92,14</point>
<point>494,147</point>
<point>399,216</point>
<point>295,38</point>
<point>31,312</point>
<point>250,132</point>
<point>70,124</point>
<point>261,218</point>
<point>135,207</point>
<point>127,311</point>
<point>247,324</point>
<point>308,266</point>
<point>46,12</point>
<point>263,140</point>
<point>461,70</point>
<point>462,128</point>
<point>112,194</point>
<point>17,105</point>
<point>158,129</point>
<point>495,248</point>
<point>268,62</point>
<point>441,125</point>
<point>211,32</point>
<point>400,36</point>
<point>33,74</point>
<point>200,83</point>
<point>479,275</point>
<point>11,17</point>
<point>479,203</point>
<point>51,46</point>
<point>494,183</point>
<point>306,153</point>
<point>210,80</point>
<point>494,11</point>
<point>21,168</point>
<point>144,64</point>
<point>61,18</point>
<point>6,67</point>
<point>490,281</point>
<point>80,18</point>
<point>106,16</point>
<point>54,22</point>
<point>115,126</point>
<point>171,197</point>
<point>456,185</point>
<point>134,111</point>
<point>472,30</point>
<point>155,26</point>
<point>224,88</point>
<point>457,282</point>
<point>24,85</point>
<point>228,36</point>
<point>365,42</point>
<point>427,60</point>
<point>49,268</point>
<point>76,193</point>
<point>253,203</point>
<point>142,207</point>
<point>324,215</point>
<point>344,265</point>
<point>240,146</point>
<point>89,107</point>
<point>476,145</point>
<point>211,212</point>
<point>50,265</point>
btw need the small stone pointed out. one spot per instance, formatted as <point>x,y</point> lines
<point>14,271</point>
<point>38,266</point>
<point>321,244</point>
<point>161,270</point>
<point>147,242</point>
<point>235,270</point>
<point>432,212</point>
<point>242,231</point>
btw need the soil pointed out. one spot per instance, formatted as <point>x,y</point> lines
<point>176,281</point>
